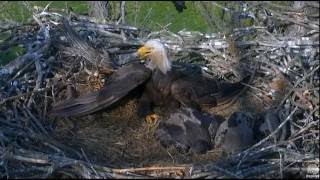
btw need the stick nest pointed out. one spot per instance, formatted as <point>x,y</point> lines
<point>66,58</point>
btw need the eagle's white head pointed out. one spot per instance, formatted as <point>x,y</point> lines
<point>155,51</point>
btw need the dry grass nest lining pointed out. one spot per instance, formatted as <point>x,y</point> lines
<point>33,144</point>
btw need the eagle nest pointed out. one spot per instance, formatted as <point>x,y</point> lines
<point>68,58</point>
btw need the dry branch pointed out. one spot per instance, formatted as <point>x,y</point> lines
<point>68,57</point>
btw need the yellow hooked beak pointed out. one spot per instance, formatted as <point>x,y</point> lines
<point>144,51</point>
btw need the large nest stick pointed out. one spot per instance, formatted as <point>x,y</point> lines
<point>67,57</point>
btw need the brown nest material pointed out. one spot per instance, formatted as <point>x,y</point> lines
<point>68,58</point>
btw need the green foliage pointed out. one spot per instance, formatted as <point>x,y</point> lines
<point>80,7</point>
<point>4,36</point>
<point>14,11</point>
<point>21,11</point>
<point>10,54</point>
<point>153,15</point>
<point>162,13</point>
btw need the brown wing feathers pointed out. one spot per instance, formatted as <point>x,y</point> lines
<point>121,83</point>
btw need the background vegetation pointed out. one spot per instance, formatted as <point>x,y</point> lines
<point>149,15</point>
<point>160,13</point>
<point>152,15</point>
<point>280,48</point>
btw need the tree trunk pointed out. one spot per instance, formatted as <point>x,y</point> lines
<point>99,10</point>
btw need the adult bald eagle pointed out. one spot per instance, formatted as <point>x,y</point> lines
<point>165,85</point>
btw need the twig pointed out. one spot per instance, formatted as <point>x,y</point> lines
<point>22,95</point>
<point>173,168</point>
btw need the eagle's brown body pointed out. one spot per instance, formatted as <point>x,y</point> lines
<point>186,86</point>
<point>182,85</point>
<point>165,85</point>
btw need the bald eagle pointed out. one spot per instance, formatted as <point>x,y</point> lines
<point>164,84</point>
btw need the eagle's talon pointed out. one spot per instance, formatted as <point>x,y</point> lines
<point>152,119</point>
